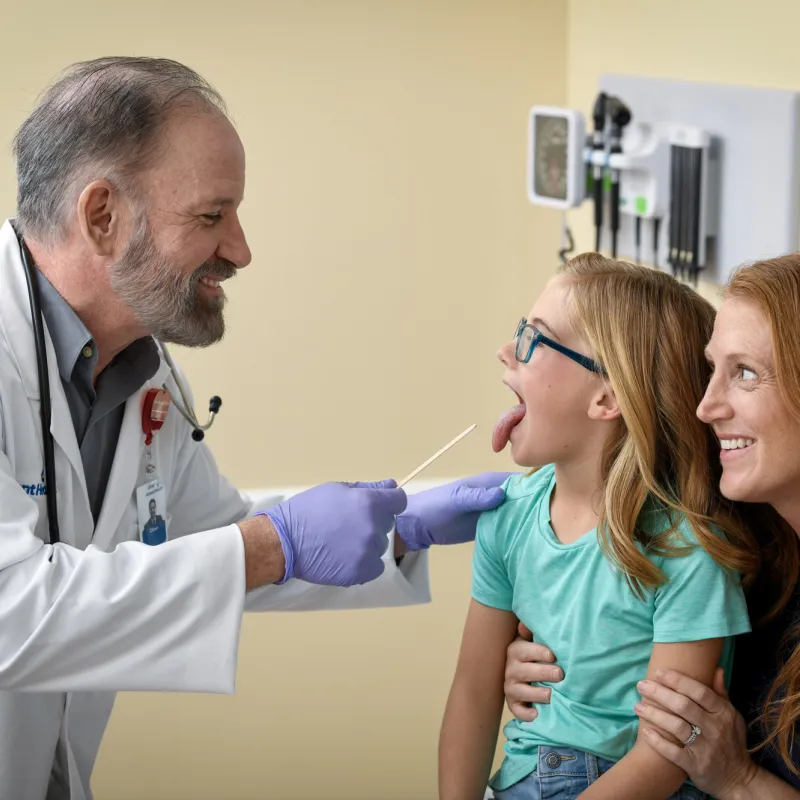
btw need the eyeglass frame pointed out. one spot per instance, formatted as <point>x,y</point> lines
<point>540,338</point>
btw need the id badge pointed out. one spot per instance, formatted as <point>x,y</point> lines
<point>151,503</point>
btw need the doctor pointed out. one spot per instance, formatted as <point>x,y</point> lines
<point>130,176</point>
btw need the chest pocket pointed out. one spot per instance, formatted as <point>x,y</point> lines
<point>29,475</point>
<point>36,490</point>
<point>23,447</point>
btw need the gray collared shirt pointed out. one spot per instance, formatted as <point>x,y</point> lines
<point>97,407</point>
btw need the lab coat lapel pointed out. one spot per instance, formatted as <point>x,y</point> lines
<point>127,466</point>
<point>73,497</point>
<point>16,325</point>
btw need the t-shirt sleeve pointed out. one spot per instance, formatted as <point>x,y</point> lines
<point>700,600</point>
<point>490,583</point>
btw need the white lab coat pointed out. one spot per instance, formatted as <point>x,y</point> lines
<point>101,612</point>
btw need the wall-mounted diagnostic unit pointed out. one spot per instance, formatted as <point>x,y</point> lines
<point>712,171</point>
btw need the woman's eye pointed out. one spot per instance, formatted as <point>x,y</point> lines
<point>747,374</point>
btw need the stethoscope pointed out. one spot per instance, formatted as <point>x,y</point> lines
<point>185,409</point>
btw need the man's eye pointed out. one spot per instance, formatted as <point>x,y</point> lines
<point>212,217</point>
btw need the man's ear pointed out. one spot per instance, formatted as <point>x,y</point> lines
<point>101,215</point>
<point>604,406</point>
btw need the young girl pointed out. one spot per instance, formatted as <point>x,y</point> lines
<point>612,552</point>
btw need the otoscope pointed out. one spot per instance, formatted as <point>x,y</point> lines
<point>620,116</point>
<point>598,143</point>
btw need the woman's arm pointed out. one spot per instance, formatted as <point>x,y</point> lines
<point>763,786</point>
<point>474,707</point>
<point>644,772</point>
<point>717,761</point>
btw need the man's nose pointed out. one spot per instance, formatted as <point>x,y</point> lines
<point>234,247</point>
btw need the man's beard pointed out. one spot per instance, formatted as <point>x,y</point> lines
<point>167,304</point>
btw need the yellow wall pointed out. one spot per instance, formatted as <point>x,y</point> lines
<point>721,41</point>
<point>386,163</point>
<point>394,249</point>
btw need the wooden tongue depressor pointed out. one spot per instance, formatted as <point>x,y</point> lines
<point>436,455</point>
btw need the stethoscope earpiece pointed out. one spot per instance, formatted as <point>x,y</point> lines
<point>185,409</point>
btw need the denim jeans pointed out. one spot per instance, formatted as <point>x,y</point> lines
<point>563,773</point>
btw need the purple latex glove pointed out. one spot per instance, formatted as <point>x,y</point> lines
<point>337,533</point>
<point>449,514</point>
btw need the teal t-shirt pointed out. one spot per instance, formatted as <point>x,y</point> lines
<point>581,607</point>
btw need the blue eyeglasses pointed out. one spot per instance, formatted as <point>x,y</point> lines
<point>528,336</point>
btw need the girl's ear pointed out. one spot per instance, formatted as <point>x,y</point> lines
<point>604,406</point>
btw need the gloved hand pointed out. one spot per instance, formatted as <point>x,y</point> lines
<point>336,534</point>
<point>449,514</point>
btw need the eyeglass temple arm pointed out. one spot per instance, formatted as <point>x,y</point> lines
<point>584,361</point>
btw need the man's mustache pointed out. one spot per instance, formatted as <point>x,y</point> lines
<point>218,267</point>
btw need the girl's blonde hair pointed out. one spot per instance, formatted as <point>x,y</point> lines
<point>774,286</point>
<point>649,332</point>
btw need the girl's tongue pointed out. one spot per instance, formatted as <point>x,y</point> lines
<point>507,423</point>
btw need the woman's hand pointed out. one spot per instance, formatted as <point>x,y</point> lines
<point>716,761</point>
<point>526,664</point>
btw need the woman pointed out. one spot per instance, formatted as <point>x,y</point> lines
<point>744,748</point>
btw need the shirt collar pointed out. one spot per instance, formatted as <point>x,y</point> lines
<point>74,344</point>
<point>71,338</point>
